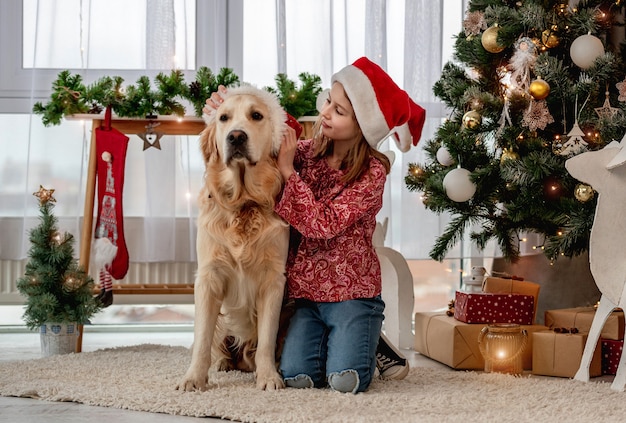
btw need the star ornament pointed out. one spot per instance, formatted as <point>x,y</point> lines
<point>44,195</point>
<point>606,111</point>
<point>151,138</point>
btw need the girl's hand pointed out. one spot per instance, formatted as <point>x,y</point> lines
<point>213,102</point>
<point>287,153</point>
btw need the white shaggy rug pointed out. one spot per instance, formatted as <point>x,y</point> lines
<point>143,378</point>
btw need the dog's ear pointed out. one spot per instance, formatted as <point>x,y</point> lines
<point>277,138</point>
<point>207,142</point>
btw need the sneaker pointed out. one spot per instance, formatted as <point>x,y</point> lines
<point>391,364</point>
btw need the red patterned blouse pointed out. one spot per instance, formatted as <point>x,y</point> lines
<point>331,255</point>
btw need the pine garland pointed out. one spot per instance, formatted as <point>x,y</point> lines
<point>163,96</point>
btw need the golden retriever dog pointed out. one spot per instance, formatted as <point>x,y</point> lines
<point>242,244</point>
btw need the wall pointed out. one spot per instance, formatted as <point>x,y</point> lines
<point>566,283</point>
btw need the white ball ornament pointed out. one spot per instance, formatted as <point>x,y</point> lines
<point>444,157</point>
<point>458,185</point>
<point>585,50</point>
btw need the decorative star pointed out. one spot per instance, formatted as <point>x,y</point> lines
<point>44,195</point>
<point>150,137</point>
<point>606,111</point>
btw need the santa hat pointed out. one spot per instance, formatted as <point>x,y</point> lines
<point>380,106</point>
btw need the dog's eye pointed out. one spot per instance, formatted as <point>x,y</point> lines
<point>224,117</point>
<point>257,116</point>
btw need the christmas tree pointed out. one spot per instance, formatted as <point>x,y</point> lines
<point>56,288</point>
<point>532,83</point>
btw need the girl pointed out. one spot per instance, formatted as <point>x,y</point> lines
<point>333,191</point>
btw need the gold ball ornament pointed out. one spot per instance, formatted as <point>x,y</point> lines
<point>561,7</point>
<point>472,119</point>
<point>415,170</point>
<point>57,237</point>
<point>539,89</point>
<point>72,283</point>
<point>508,155</point>
<point>550,38</point>
<point>583,192</point>
<point>489,40</point>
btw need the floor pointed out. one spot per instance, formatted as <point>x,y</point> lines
<point>15,344</point>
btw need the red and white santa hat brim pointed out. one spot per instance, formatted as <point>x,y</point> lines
<point>380,106</point>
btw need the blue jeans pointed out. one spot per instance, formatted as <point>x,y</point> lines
<point>332,344</point>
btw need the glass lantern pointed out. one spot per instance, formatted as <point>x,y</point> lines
<point>502,346</point>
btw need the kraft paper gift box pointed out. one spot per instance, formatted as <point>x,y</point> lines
<point>512,286</point>
<point>559,354</point>
<point>611,354</point>
<point>482,307</point>
<point>581,318</point>
<point>455,344</point>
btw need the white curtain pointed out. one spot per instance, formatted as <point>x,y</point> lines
<point>161,186</point>
<point>405,38</point>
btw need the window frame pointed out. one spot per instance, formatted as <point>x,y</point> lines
<point>219,43</point>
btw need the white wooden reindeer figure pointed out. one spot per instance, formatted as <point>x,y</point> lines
<point>605,171</point>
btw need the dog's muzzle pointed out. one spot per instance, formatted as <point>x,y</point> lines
<point>237,146</point>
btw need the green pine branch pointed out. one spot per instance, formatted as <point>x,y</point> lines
<point>67,98</point>
<point>450,237</point>
<point>169,92</point>
<point>206,83</point>
<point>298,101</point>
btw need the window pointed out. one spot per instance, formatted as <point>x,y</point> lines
<point>112,34</point>
<point>117,37</point>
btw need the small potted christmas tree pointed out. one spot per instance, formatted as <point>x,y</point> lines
<point>59,294</point>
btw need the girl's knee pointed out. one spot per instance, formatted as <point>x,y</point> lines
<point>345,381</point>
<point>299,381</point>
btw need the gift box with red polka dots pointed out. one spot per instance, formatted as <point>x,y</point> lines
<point>611,353</point>
<point>483,307</point>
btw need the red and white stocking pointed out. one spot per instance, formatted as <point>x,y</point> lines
<point>111,254</point>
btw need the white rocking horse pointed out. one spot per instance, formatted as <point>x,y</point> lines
<point>604,170</point>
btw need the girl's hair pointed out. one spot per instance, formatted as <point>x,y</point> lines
<point>357,159</point>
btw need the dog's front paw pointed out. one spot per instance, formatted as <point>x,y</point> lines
<point>191,383</point>
<point>269,381</point>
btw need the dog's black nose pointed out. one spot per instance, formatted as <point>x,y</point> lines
<point>237,137</point>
